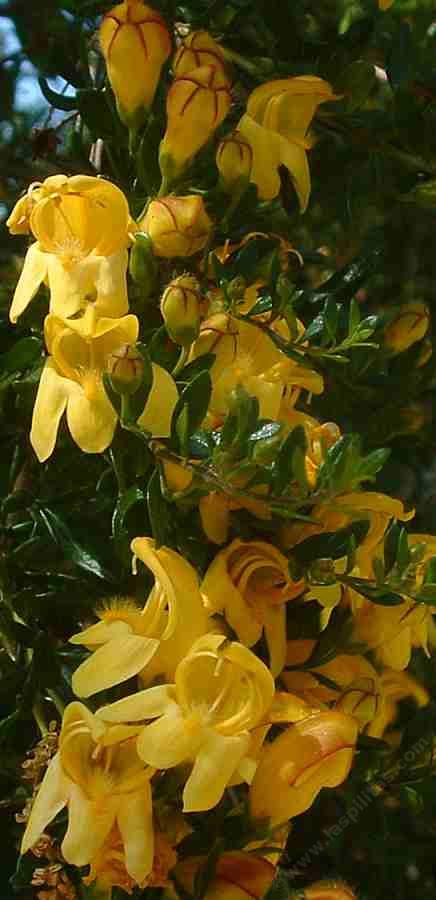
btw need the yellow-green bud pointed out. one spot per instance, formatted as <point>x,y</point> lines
<point>410,326</point>
<point>425,352</point>
<point>125,367</point>
<point>180,308</point>
<point>234,160</point>
<point>143,265</point>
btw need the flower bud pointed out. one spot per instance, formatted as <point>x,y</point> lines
<point>314,753</point>
<point>410,326</point>
<point>234,160</point>
<point>199,49</point>
<point>237,875</point>
<point>197,103</point>
<point>125,368</point>
<point>180,308</point>
<point>143,265</point>
<point>135,44</point>
<point>329,890</point>
<point>177,226</point>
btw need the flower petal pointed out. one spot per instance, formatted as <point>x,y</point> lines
<point>92,421</point>
<point>50,404</point>
<point>135,821</point>
<point>113,663</point>
<point>50,799</point>
<point>33,273</point>
<point>144,705</point>
<point>167,742</point>
<point>213,768</point>
<point>160,405</point>
<point>88,826</point>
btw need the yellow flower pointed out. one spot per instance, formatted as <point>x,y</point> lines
<point>249,581</point>
<point>81,229</point>
<point>128,641</point>
<point>108,866</point>
<point>215,509</point>
<point>359,690</point>
<point>393,631</point>
<point>71,382</point>
<point>314,753</point>
<point>275,125</point>
<point>198,49</point>
<point>385,4</point>
<point>135,44</point>
<point>329,890</point>
<point>246,356</point>
<point>238,876</point>
<point>410,326</point>
<point>180,307</point>
<point>221,693</point>
<point>98,775</point>
<point>234,161</point>
<point>177,226</point>
<point>394,687</point>
<point>197,103</point>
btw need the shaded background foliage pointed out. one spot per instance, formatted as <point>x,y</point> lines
<point>368,234</point>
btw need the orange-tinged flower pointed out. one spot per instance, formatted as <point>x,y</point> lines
<point>197,103</point>
<point>249,581</point>
<point>234,161</point>
<point>128,641</point>
<point>410,326</point>
<point>71,382</point>
<point>135,44</point>
<point>314,753</point>
<point>198,49</point>
<point>81,225</point>
<point>276,126</point>
<point>98,775</point>
<point>177,226</point>
<point>329,890</point>
<point>238,876</point>
<point>221,693</point>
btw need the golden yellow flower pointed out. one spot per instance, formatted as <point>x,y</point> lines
<point>410,326</point>
<point>358,693</point>
<point>238,876</point>
<point>249,581</point>
<point>81,229</point>
<point>385,4</point>
<point>197,103</point>
<point>135,44</point>
<point>128,641</point>
<point>98,775</point>
<point>71,382</point>
<point>394,687</point>
<point>215,509</point>
<point>222,691</point>
<point>393,631</point>
<point>177,226</point>
<point>198,49</point>
<point>314,753</point>
<point>276,126</point>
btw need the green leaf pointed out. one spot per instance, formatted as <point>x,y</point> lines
<point>330,545</point>
<point>138,400</point>
<point>70,548</point>
<point>202,364</point>
<point>160,512</point>
<point>22,355</point>
<point>190,411</point>
<point>287,464</point>
<point>280,887</point>
<point>400,59</point>
<point>128,499</point>
<point>353,316</point>
<point>379,595</point>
